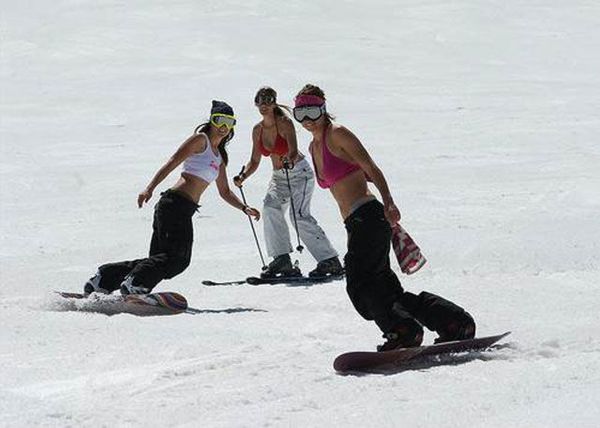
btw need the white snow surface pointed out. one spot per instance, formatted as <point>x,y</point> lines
<point>484,117</point>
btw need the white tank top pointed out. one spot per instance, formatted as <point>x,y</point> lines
<point>203,165</point>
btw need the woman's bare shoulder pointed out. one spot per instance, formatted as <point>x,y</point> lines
<point>340,131</point>
<point>286,123</point>
<point>198,141</point>
<point>256,129</point>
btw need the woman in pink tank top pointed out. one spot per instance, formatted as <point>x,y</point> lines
<point>342,164</point>
<point>291,186</point>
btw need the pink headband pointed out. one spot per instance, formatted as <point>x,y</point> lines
<point>308,100</point>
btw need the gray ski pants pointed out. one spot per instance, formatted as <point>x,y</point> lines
<point>277,200</point>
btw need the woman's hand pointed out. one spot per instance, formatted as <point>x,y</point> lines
<point>286,163</point>
<point>144,196</point>
<point>239,179</point>
<point>253,212</point>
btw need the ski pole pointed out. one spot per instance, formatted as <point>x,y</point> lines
<point>264,266</point>
<point>287,177</point>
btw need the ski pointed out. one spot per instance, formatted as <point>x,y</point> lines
<point>292,280</point>
<point>211,283</point>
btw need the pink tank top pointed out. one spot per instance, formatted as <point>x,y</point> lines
<point>334,168</point>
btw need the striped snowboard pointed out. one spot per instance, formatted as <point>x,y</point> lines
<point>164,303</point>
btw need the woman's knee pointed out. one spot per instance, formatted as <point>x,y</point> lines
<point>271,201</point>
<point>176,265</point>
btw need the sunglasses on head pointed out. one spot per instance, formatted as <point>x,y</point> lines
<point>220,119</point>
<point>264,99</point>
<point>309,112</point>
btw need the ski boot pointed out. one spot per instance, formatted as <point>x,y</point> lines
<point>409,335</point>
<point>281,266</point>
<point>328,267</point>
<point>462,329</point>
<point>93,285</point>
<point>127,287</point>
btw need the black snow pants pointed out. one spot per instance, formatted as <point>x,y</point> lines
<point>170,248</point>
<point>374,288</point>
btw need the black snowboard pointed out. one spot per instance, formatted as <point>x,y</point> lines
<point>374,361</point>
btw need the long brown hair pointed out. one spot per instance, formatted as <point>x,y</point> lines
<point>310,89</point>
<point>203,128</point>
<point>280,109</point>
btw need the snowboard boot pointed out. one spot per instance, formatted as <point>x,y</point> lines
<point>461,329</point>
<point>127,287</point>
<point>93,285</point>
<point>281,266</point>
<point>328,267</point>
<point>408,335</point>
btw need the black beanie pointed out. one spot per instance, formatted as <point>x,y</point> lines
<point>221,107</point>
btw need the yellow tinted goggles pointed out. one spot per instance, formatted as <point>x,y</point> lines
<point>220,119</point>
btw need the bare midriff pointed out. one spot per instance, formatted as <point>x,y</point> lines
<point>278,162</point>
<point>191,186</point>
<point>351,191</point>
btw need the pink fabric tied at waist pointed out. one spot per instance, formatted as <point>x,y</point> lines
<point>407,252</point>
<point>308,100</point>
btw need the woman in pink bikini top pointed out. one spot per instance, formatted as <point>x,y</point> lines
<point>341,162</point>
<point>333,169</point>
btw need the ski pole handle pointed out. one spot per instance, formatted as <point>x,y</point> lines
<point>238,179</point>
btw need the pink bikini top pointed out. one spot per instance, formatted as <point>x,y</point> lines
<point>334,168</point>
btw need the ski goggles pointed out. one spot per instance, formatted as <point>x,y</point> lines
<point>309,112</point>
<point>220,119</point>
<point>264,99</point>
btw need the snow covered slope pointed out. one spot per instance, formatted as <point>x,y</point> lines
<point>483,116</point>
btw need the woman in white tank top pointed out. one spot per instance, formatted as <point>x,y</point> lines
<point>204,160</point>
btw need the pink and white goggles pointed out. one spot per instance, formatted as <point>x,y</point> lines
<point>309,107</point>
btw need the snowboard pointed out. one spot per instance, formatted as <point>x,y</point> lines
<point>164,303</point>
<point>394,359</point>
<point>291,280</point>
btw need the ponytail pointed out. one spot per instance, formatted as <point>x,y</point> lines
<point>281,110</point>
